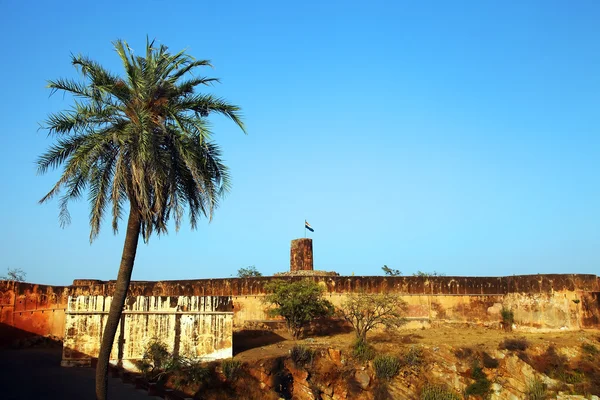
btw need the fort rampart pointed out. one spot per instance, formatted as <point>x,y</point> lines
<point>560,301</point>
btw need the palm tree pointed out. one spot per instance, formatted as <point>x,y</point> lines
<point>138,144</point>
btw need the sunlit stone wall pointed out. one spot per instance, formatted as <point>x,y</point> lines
<point>190,326</point>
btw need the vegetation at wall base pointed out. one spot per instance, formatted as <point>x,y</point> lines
<point>508,318</point>
<point>231,369</point>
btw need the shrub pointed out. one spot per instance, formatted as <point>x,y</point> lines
<point>231,369</point>
<point>481,386</point>
<point>508,318</point>
<point>362,351</point>
<point>488,361</point>
<point>386,366</point>
<point>414,356</point>
<point>536,390</point>
<point>302,355</point>
<point>186,372</point>
<point>515,344</point>
<point>590,349</point>
<point>463,353</point>
<point>437,392</point>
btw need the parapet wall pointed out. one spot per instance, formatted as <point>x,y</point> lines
<point>540,301</point>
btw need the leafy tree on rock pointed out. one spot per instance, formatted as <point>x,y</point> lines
<point>137,144</point>
<point>298,302</point>
<point>366,311</point>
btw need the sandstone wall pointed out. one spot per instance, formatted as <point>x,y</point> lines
<point>190,326</point>
<point>539,301</point>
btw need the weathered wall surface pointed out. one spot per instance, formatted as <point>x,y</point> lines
<point>31,309</point>
<point>190,326</point>
<point>539,301</point>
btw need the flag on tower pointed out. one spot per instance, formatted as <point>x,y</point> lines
<point>307,226</point>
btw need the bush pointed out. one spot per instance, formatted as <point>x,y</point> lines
<point>488,361</point>
<point>386,366</point>
<point>590,349</point>
<point>481,386</point>
<point>231,369</point>
<point>508,318</point>
<point>362,351</point>
<point>186,372</point>
<point>302,355</point>
<point>536,390</point>
<point>516,344</point>
<point>414,356</point>
<point>437,392</point>
<point>463,353</point>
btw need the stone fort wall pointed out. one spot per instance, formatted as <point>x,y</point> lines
<point>558,301</point>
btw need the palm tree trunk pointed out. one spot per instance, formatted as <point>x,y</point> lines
<point>118,301</point>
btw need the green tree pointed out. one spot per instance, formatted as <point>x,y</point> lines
<point>366,311</point>
<point>298,302</point>
<point>138,143</point>
<point>391,272</point>
<point>249,272</point>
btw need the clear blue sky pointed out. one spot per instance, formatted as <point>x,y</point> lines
<point>455,136</point>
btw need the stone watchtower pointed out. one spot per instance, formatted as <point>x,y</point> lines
<point>301,255</point>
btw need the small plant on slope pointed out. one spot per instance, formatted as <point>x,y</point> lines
<point>438,392</point>
<point>386,367</point>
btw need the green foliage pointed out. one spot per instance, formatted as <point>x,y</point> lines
<point>302,355</point>
<point>438,392</point>
<point>537,390</point>
<point>231,369</point>
<point>365,311</point>
<point>362,351</point>
<point>186,372</point>
<point>414,357</point>
<point>508,318</point>
<point>386,366</point>
<point>154,358</point>
<point>14,275</point>
<point>141,138</point>
<point>391,272</point>
<point>515,344</point>
<point>249,272</point>
<point>428,274</point>
<point>298,302</point>
<point>481,386</point>
<point>590,349</point>
<point>463,353</point>
<point>488,361</point>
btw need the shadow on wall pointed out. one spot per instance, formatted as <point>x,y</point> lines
<point>11,337</point>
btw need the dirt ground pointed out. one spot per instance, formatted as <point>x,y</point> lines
<point>253,345</point>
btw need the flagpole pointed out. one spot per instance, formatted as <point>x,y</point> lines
<point>305,229</point>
